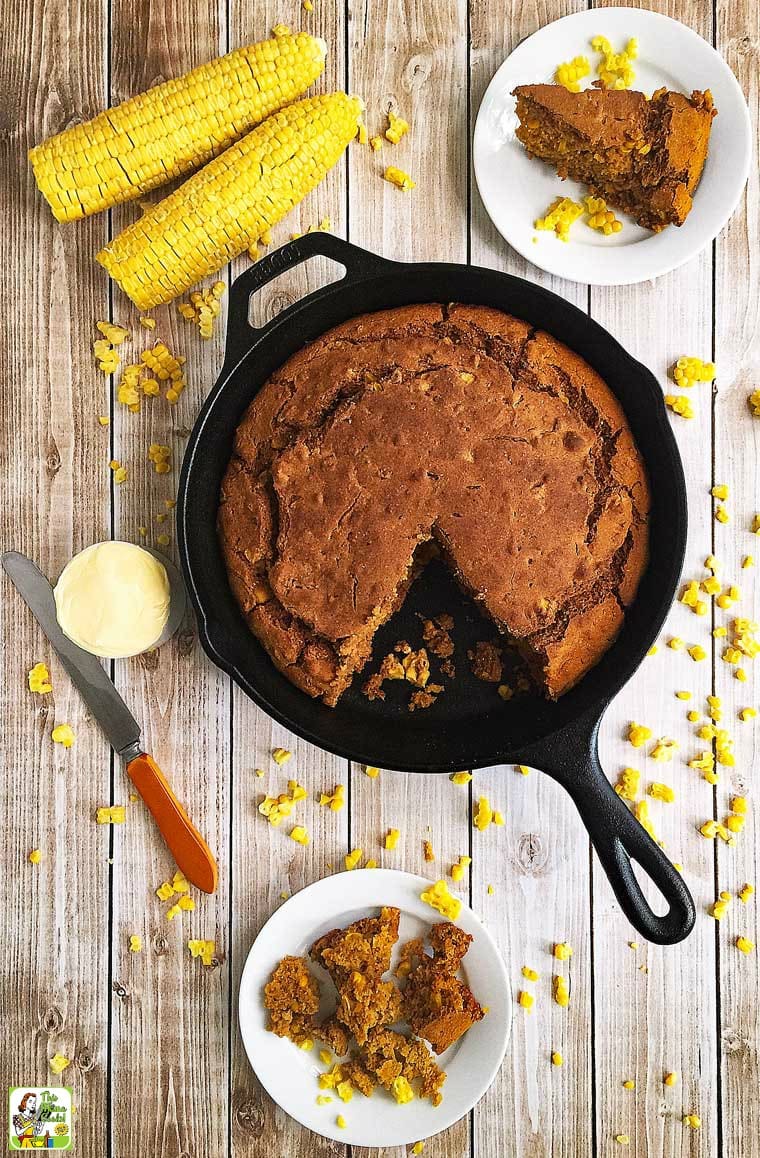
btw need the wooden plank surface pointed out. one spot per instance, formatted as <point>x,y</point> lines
<point>158,1064</point>
<point>54,501</point>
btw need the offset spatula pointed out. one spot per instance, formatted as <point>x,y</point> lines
<point>186,844</point>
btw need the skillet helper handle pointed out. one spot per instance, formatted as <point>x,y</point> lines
<point>358,264</point>
<point>571,757</point>
<point>187,846</point>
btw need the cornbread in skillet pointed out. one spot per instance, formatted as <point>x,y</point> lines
<point>456,429</point>
<point>643,156</point>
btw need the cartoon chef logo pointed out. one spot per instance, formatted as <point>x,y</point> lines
<point>39,1118</point>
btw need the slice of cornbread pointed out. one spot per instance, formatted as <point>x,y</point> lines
<point>644,156</point>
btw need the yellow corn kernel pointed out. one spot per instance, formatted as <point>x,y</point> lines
<point>418,1147</point>
<point>692,1120</point>
<point>340,1122</point>
<point>679,404</point>
<point>460,777</point>
<point>483,814</point>
<point>572,72</point>
<point>58,1063</point>
<point>440,899</point>
<point>458,870</point>
<point>748,561</point>
<point>739,804</point>
<point>335,800</point>
<point>746,892</point>
<point>498,819</point>
<point>523,769</point>
<point>735,823</point>
<point>697,653</point>
<point>692,717</point>
<point>661,792</point>
<point>135,943</point>
<point>629,1084</point>
<point>372,772</point>
<point>638,734</point>
<point>35,856</point>
<point>628,783</point>
<point>172,128</point>
<point>39,679</point>
<point>623,1139</point>
<point>747,714</point>
<point>562,951</point>
<point>401,1090</point>
<point>652,650</point>
<point>559,217</point>
<point>376,144</point>
<point>529,974</point>
<point>115,814</point>
<point>683,695</point>
<point>370,863</point>
<point>744,945</point>
<point>670,1078</point>
<point>663,750</point>
<point>281,755</point>
<point>688,371</point>
<point>525,999</point>
<point>63,734</point>
<point>352,859</point>
<point>741,675</point>
<point>203,949</point>
<point>397,128</point>
<point>345,1091</point>
<point>557,1058</point>
<point>721,514</point>
<point>560,991</point>
<point>399,178</point>
<point>392,838</point>
<point>299,834</point>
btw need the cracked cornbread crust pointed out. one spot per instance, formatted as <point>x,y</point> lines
<point>643,156</point>
<point>451,429</point>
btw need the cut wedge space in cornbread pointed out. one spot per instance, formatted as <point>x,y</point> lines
<point>644,156</point>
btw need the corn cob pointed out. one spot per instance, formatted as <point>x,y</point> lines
<point>175,127</point>
<point>223,209</point>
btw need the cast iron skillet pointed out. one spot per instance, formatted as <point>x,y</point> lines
<point>469,726</point>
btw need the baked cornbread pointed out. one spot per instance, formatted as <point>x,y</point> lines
<point>457,429</point>
<point>437,1005</point>
<point>643,156</point>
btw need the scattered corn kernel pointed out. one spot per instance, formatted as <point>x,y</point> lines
<point>560,990</point>
<point>418,1147</point>
<point>559,217</point>
<point>525,999</point>
<point>397,128</point>
<point>683,695</point>
<point>135,943</point>
<point>688,371</point>
<point>748,561</point>
<point>392,838</point>
<point>744,945</point>
<point>562,951</point>
<point>692,1120</point>
<point>663,750</point>
<point>628,783</point>
<point>697,653</point>
<point>629,1084</point>
<point>461,777</point>
<point>115,814</point>
<point>641,812</point>
<point>351,859</point>
<point>638,734</point>
<point>440,899</point>
<point>401,1090</point>
<point>670,1078</point>
<point>35,856</point>
<point>622,1139</point>
<point>58,1063</point>
<point>281,755</point>
<point>680,404</point>
<point>498,818</point>
<point>299,834</point>
<point>63,734</point>
<point>372,772</point>
<point>600,217</point>
<point>336,800</point>
<point>746,892</point>
<point>523,769</point>
<point>340,1122</point>
<point>39,679</point>
<point>458,870</point>
<point>557,1058</point>
<point>376,144</point>
<point>483,814</point>
<point>203,949</point>
<point>529,974</point>
<point>399,178</point>
<point>615,69</point>
<point>661,792</point>
<point>571,72</point>
<point>747,714</point>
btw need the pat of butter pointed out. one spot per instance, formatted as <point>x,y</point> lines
<point>113,599</point>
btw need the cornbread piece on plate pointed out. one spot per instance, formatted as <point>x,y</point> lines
<point>643,156</point>
<point>455,429</point>
<point>356,958</point>
<point>389,1056</point>
<point>292,997</point>
<point>437,1005</point>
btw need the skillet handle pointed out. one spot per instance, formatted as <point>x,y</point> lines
<point>359,263</point>
<point>572,758</point>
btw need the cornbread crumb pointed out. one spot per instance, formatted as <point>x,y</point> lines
<point>58,1063</point>
<point>35,856</point>
<point>135,943</point>
<point>427,851</point>
<point>63,734</point>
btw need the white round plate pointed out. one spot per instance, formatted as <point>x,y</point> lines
<point>290,1075</point>
<point>516,190</point>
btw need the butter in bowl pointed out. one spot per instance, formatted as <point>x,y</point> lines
<point>117,599</point>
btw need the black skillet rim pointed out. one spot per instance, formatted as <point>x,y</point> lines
<point>365,269</point>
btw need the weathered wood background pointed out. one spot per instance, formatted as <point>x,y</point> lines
<point>158,1068</point>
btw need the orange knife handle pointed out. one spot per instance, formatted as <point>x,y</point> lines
<point>187,846</point>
